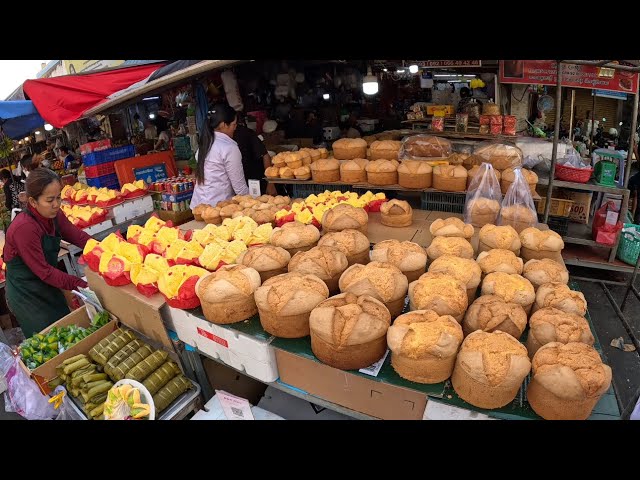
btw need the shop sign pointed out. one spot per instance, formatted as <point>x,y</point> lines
<point>544,72</point>
<point>151,174</point>
<point>607,94</point>
<point>445,63</point>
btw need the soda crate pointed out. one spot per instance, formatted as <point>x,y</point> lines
<point>109,181</point>
<point>109,155</point>
<point>100,170</point>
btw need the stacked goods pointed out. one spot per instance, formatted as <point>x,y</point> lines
<point>424,147</point>
<point>354,171</point>
<point>99,197</point>
<point>298,164</point>
<point>42,347</point>
<point>473,171</point>
<point>85,216</point>
<point>508,177</point>
<point>500,155</point>
<point>261,209</point>
<point>382,172</point>
<point>313,208</point>
<point>134,190</point>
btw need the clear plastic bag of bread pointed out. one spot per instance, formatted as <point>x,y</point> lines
<point>518,209</point>
<point>500,155</point>
<point>482,204</point>
<point>424,147</point>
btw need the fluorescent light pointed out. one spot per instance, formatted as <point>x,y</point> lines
<point>413,69</point>
<point>385,70</point>
<point>326,96</point>
<point>445,75</point>
<point>400,70</point>
<point>48,127</point>
<point>458,81</point>
<point>150,98</point>
<point>38,132</point>
<point>152,116</point>
<point>470,76</point>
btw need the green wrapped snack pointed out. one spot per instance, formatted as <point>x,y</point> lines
<point>145,368</point>
<point>118,373</point>
<point>103,356</point>
<point>121,355</point>
<point>170,392</point>
<point>103,343</point>
<point>161,376</point>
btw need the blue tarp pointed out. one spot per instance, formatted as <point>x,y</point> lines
<point>19,118</point>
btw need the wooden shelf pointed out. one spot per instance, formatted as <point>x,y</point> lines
<point>590,186</point>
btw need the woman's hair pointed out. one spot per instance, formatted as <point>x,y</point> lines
<point>38,180</point>
<point>25,162</point>
<point>5,174</point>
<point>64,149</point>
<point>219,113</point>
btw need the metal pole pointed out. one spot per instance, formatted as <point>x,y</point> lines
<point>631,281</point>
<point>593,116</point>
<point>573,99</point>
<point>632,140</point>
<point>556,134</point>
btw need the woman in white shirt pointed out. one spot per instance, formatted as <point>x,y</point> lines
<point>219,174</point>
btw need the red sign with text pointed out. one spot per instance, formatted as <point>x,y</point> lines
<point>544,72</point>
<point>213,337</point>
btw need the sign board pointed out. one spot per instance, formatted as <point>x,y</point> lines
<point>152,173</point>
<point>445,63</point>
<point>76,66</point>
<point>544,72</point>
<point>607,94</point>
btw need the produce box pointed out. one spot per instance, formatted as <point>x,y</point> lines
<point>47,371</point>
<point>581,206</point>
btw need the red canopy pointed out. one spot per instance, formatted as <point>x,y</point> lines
<point>62,100</point>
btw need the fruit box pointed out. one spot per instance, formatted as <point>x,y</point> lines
<point>47,371</point>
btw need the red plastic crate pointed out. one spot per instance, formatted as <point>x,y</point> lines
<point>100,170</point>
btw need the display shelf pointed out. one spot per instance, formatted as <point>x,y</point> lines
<point>590,186</point>
<point>592,257</point>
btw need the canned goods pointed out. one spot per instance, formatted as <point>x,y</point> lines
<point>175,207</point>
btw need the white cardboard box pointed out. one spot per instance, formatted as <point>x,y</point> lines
<point>441,411</point>
<point>132,209</point>
<point>100,227</point>
<point>213,411</point>
<point>245,353</point>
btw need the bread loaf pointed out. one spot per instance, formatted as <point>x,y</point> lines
<point>539,244</point>
<point>353,171</point>
<point>464,269</point>
<point>508,177</point>
<point>560,296</point>
<point>490,313</point>
<point>439,292</point>
<point>396,213</point>
<point>326,263</point>
<point>295,237</point>
<point>353,243</point>
<point>386,149</point>
<point>349,148</point>
<point>198,210</point>
<point>552,325</point>
<point>501,156</point>
<point>450,178</point>
<point>511,288</point>
<point>451,227</point>
<point>518,216</point>
<point>409,257</point>
<point>343,217</point>
<point>415,174</point>
<point>382,172</point>
<point>483,211</point>
<point>499,260</point>
<point>503,237</point>
<point>458,247</point>
<point>267,260</point>
<point>426,146</point>
<point>326,170</point>
<point>539,272</point>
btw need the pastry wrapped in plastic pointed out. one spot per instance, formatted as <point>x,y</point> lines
<point>178,283</point>
<point>500,155</point>
<point>424,146</point>
<point>483,192</point>
<point>114,269</point>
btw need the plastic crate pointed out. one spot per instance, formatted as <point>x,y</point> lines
<point>182,147</point>
<point>560,225</point>
<point>443,201</point>
<point>109,155</point>
<point>629,246</point>
<point>100,170</point>
<point>109,181</point>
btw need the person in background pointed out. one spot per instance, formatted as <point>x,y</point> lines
<point>150,132</point>
<point>634,187</point>
<point>313,128</point>
<point>163,141</point>
<point>219,173</point>
<point>11,187</point>
<point>353,130</point>
<point>34,284</point>
<point>138,126</point>
<point>255,157</point>
<point>66,157</point>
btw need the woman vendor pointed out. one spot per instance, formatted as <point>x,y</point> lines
<point>34,284</point>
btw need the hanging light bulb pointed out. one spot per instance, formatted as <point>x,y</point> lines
<point>370,83</point>
<point>48,127</point>
<point>326,96</point>
<point>413,69</point>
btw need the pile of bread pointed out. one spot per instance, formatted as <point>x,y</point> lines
<point>346,298</point>
<point>295,164</point>
<point>261,209</point>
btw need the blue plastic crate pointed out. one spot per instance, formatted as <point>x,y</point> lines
<point>109,181</point>
<point>109,155</point>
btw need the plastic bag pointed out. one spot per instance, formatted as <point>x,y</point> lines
<point>65,410</point>
<point>573,159</point>
<point>23,396</point>
<point>500,155</point>
<point>482,203</point>
<point>424,147</point>
<point>603,232</point>
<point>518,209</point>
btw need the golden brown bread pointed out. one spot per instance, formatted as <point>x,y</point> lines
<point>326,263</point>
<point>382,172</point>
<point>567,381</point>
<point>539,272</point>
<point>353,171</point>
<point>211,215</point>
<point>439,292</point>
<point>426,146</point>
<point>451,227</point>
<point>482,211</point>
<point>458,247</point>
<point>464,269</point>
<point>475,169</point>
<point>302,173</point>
<point>349,148</point>
<point>344,216</point>
<point>510,287</point>
<point>396,213</point>
<point>490,369</point>
<point>501,156</point>
<point>552,325</point>
<point>326,170</point>
<point>519,216</point>
<point>450,178</point>
<point>409,257</point>
<point>508,177</point>
<point>424,345</point>
<point>295,235</point>
<point>353,243</point>
<point>499,260</point>
<point>504,237</point>
<point>267,260</point>
<point>541,240</point>
<point>490,313</point>
<point>415,174</point>
<point>198,210</point>
<point>285,172</point>
<point>385,149</point>
<point>560,296</point>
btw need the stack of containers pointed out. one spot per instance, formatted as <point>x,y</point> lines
<point>99,166</point>
<point>176,193</point>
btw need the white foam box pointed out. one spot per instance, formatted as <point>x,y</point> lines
<point>248,354</point>
<point>132,209</point>
<point>213,411</point>
<point>100,227</point>
<point>440,411</point>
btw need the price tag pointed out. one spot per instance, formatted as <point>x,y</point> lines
<point>374,369</point>
<point>234,408</point>
<point>254,188</point>
<point>612,217</point>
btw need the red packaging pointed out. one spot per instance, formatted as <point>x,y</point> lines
<point>495,120</point>
<point>509,130</point>
<point>509,121</point>
<point>95,146</point>
<point>495,129</point>
<point>437,124</point>
<point>602,232</point>
<point>485,119</point>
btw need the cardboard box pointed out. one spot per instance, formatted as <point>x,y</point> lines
<point>377,399</point>
<point>47,371</point>
<point>177,197</point>
<point>142,314</point>
<point>290,407</point>
<point>581,206</point>
<point>100,227</point>
<point>178,218</point>
<point>222,377</point>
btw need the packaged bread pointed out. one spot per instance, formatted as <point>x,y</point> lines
<point>567,381</point>
<point>302,173</point>
<point>464,269</point>
<point>553,325</point>
<point>482,203</point>
<point>286,172</point>
<point>508,177</point>
<point>456,246</point>
<point>385,149</point>
<point>295,237</point>
<point>349,148</point>
<point>326,170</point>
<point>226,295</point>
<point>409,257</point>
<point>482,211</point>
<point>473,171</point>
<point>490,313</point>
<point>382,281</point>
<point>267,260</point>
<point>285,302</point>
<point>539,244</point>
<point>354,171</point>
<point>382,172</point>
<point>211,215</point>
<point>450,178</point>
<point>424,346</point>
<point>500,155</point>
<point>499,260</point>
<point>451,227</point>
<point>415,174</point>
<point>353,243</point>
<point>441,293</point>
<point>503,237</point>
<point>198,211</point>
<point>511,288</point>
<point>396,213</point>
<point>519,217</point>
<point>539,272</point>
<point>560,296</point>
<point>349,331</point>
<point>326,263</point>
<point>343,217</point>
<point>421,146</point>
<point>490,368</point>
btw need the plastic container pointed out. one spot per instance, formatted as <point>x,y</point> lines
<point>605,173</point>
<point>100,170</point>
<point>571,174</point>
<point>145,396</point>
<point>109,181</point>
<point>109,155</point>
<point>629,246</point>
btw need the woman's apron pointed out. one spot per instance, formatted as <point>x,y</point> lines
<point>35,303</point>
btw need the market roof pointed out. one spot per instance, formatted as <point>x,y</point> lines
<point>18,118</point>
